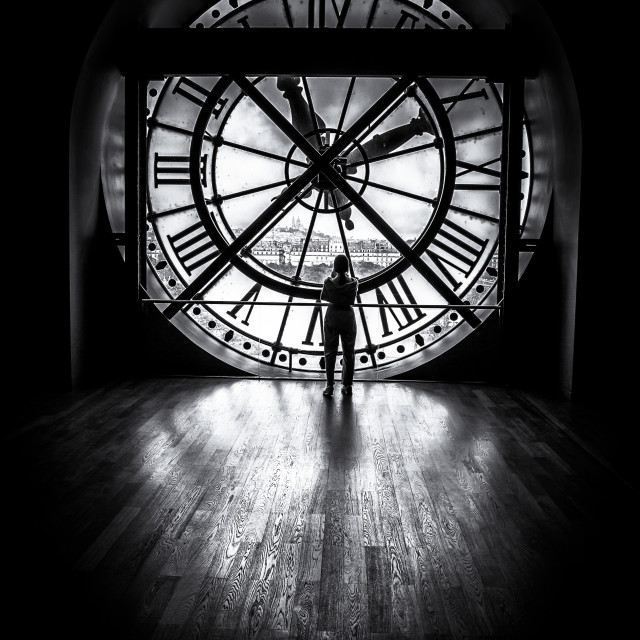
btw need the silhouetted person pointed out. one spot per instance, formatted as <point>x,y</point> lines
<point>305,121</point>
<point>340,290</point>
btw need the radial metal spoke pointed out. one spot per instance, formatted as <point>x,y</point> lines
<point>399,192</point>
<point>480,133</point>
<point>307,239</point>
<point>393,154</point>
<point>153,122</point>
<point>246,192</point>
<point>347,100</point>
<point>287,310</point>
<point>265,154</point>
<point>312,111</point>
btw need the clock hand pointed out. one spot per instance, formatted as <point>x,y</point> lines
<point>385,143</point>
<point>303,116</point>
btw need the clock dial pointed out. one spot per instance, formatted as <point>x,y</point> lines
<point>254,184</point>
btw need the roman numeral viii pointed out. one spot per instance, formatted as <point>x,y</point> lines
<point>174,170</point>
<point>193,247</point>
<point>197,94</point>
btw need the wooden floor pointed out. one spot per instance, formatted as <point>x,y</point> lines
<point>226,508</point>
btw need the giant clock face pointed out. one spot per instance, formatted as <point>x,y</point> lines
<point>254,184</point>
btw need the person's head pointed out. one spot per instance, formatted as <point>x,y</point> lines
<point>341,263</point>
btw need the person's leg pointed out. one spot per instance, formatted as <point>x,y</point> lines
<point>331,342</point>
<point>348,339</point>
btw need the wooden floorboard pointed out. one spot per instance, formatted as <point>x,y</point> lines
<point>184,508</point>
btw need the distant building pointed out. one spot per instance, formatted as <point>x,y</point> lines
<point>285,245</point>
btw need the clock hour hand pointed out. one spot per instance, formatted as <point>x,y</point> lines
<point>303,116</point>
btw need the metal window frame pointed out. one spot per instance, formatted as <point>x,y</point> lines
<point>496,55</point>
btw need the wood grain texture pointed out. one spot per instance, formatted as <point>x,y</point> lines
<point>186,508</point>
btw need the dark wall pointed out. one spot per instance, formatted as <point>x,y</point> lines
<point>599,55</point>
<point>39,348</point>
<point>48,56</point>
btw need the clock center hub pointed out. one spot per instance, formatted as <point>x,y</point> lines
<point>331,200</point>
<point>321,182</point>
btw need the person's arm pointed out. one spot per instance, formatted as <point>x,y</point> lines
<point>323,294</point>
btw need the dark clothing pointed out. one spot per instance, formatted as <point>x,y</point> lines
<point>340,295</point>
<point>339,326</point>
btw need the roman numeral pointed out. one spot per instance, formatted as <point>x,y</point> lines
<point>322,8</point>
<point>482,169</point>
<point>406,17</point>
<point>410,315</point>
<point>174,170</point>
<point>193,247</point>
<point>452,101</point>
<point>315,316</point>
<point>252,295</point>
<point>197,94</point>
<point>456,247</point>
<point>191,90</point>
